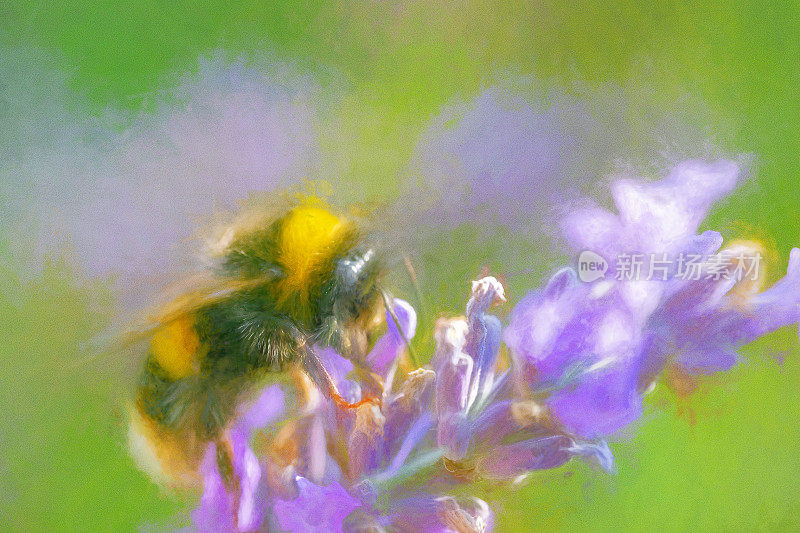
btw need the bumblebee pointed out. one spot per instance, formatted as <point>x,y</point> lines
<point>281,287</point>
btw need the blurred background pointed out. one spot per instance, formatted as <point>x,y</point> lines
<point>125,126</point>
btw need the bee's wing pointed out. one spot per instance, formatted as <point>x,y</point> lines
<point>119,351</point>
<point>185,298</point>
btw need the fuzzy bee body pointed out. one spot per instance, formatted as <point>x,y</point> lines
<point>304,279</point>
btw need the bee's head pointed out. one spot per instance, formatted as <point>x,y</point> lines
<point>352,299</point>
<point>318,270</point>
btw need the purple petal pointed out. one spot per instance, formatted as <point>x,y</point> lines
<point>416,433</point>
<point>451,337</point>
<point>559,283</point>
<point>314,448</point>
<point>483,346</point>
<point>452,395</point>
<point>338,367</point>
<point>775,307</point>
<point>704,326</point>
<point>391,345</point>
<point>485,292</point>
<point>483,340</point>
<point>316,509</point>
<point>452,385</point>
<point>660,215</point>
<point>567,327</point>
<point>407,407</point>
<point>266,408</point>
<point>602,403</point>
<point>600,452</point>
<point>592,229</point>
<point>250,512</point>
<point>365,444</point>
<point>551,330</point>
<point>445,514</point>
<point>653,217</point>
<point>511,460</point>
<point>539,334</point>
<point>217,510</point>
<point>495,423</point>
<point>706,360</point>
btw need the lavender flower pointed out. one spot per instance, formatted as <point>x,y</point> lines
<point>612,337</point>
<point>580,357</point>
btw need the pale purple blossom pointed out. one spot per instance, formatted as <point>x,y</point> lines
<point>601,344</point>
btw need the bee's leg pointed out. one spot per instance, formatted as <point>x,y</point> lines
<point>313,366</point>
<point>371,382</point>
<point>226,470</point>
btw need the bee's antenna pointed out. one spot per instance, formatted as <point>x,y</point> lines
<point>412,274</point>
<point>387,301</point>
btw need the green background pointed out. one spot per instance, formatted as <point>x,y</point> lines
<point>725,459</point>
